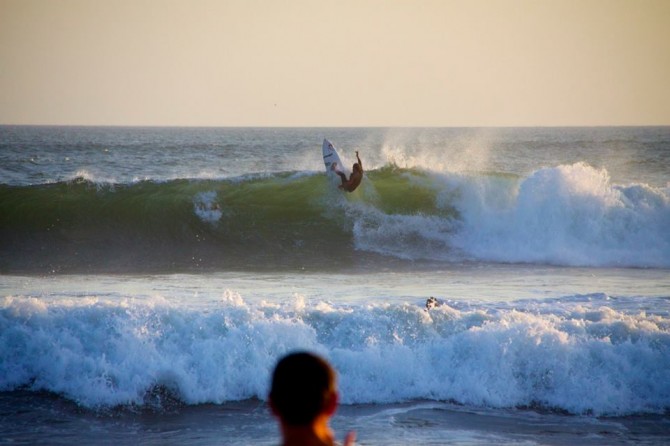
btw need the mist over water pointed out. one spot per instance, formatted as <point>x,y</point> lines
<point>37,155</point>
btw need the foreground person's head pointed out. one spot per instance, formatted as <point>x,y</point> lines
<point>303,389</point>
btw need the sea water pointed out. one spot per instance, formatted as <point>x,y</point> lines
<point>151,277</point>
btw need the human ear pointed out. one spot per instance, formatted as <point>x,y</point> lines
<point>332,401</point>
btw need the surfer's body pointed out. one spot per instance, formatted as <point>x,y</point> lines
<point>354,179</point>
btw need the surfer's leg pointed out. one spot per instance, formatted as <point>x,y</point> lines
<point>333,167</point>
<point>342,176</point>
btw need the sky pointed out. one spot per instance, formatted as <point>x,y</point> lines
<point>344,63</point>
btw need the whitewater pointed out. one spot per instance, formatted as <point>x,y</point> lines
<point>151,277</point>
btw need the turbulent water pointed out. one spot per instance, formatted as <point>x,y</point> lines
<point>147,267</point>
<point>578,355</point>
<point>87,220</point>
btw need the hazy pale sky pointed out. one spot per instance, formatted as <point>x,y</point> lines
<point>335,63</point>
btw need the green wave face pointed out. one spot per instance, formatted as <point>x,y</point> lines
<point>288,219</point>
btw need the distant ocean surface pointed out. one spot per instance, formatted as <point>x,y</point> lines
<point>151,277</point>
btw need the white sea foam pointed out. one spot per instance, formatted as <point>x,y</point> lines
<point>583,355</point>
<point>207,207</point>
<point>571,215</point>
<point>87,175</point>
<point>565,215</point>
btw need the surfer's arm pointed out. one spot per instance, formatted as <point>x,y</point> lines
<point>360,163</point>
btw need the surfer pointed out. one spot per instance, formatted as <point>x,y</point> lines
<point>354,179</point>
<point>303,396</point>
<point>431,303</point>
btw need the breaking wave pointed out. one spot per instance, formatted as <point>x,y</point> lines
<point>564,215</point>
<point>583,354</point>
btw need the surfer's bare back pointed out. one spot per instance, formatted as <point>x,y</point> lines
<point>355,178</point>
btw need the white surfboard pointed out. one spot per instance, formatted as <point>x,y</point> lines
<point>330,158</point>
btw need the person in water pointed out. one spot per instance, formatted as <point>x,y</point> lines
<point>303,396</point>
<point>354,179</point>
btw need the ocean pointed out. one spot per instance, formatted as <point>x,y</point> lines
<point>150,278</point>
